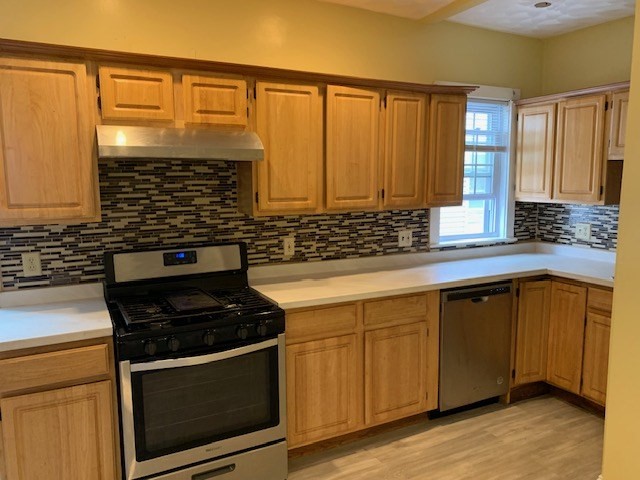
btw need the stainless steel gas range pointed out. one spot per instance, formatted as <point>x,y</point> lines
<point>200,357</point>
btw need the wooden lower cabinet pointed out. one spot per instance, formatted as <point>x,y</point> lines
<point>566,335</point>
<point>532,334</point>
<point>323,389</point>
<point>60,434</point>
<point>596,357</point>
<point>395,369</point>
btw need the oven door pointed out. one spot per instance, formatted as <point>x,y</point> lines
<point>178,412</point>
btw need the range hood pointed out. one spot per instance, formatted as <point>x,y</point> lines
<point>152,142</point>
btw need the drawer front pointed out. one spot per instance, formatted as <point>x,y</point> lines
<point>395,311</point>
<point>600,299</point>
<point>51,368</point>
<point>321,322</point>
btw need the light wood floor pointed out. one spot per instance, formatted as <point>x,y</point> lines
<point>538,439</point>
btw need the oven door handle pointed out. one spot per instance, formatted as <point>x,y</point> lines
<point>202,359</point>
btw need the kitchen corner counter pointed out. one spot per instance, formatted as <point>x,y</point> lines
<point>298,290</point>
<point>77,314</point>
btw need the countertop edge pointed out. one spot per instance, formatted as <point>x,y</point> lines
<point>57,339</point>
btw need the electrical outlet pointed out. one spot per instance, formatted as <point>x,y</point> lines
<point>289,245</point>
<point>583,231</point>
<point>31,266</point>
<point>405,238</point>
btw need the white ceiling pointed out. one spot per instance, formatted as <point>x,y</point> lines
<point>521,17</point>
<point>414,9</point>
<point>513,16</point>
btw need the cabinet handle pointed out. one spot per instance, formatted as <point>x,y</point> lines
<point>214,473</point>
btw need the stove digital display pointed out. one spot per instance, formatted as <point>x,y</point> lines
<point>180,258</point>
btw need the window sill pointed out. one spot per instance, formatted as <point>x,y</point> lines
<point>467,243</point>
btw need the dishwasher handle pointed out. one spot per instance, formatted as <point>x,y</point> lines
<point>476,294</point>
<point>480,299</point>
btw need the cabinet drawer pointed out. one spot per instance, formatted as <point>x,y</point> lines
<point>600,299</point>
<point>395,310</point>
<point>321,322</point>
<point>51,368</point>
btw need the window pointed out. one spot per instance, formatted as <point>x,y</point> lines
<point>483,215</point>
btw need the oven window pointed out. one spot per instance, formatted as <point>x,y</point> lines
<point>181,408</point>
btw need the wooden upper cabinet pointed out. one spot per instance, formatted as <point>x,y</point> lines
<point>62,434</point>
<point>534,152</point>
<point>47,165</point>
<point>446,150</point>
<point>395,372</point>
<point>617,135</point>
<point>579,152</point>
<point>289,123</point>
<point>132,94</point>
<point>532,334</point>
<point>214,100</point>
<point>352,142</point>
<point>404,158</point>
<point>596,357</point>
<point>566,335</point>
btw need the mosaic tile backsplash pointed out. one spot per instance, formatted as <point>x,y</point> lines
<point>157,203</point>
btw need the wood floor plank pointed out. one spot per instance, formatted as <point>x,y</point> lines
<point>538,439</point>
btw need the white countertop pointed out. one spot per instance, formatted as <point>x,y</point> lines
<point>298,289</point>
<point>48,316</point>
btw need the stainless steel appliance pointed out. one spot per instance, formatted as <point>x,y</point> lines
<point>475,340</point>
<point>201,366</point>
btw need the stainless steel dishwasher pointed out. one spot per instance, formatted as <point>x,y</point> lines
<point>475,344</point>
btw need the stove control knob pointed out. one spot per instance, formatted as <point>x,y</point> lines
<point>242,333</point>
<point>150,347</point>
<point>173,343</point>
<point>209,338</point>
<point>261,329</point>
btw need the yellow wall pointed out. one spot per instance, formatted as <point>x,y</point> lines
<point>622,426</point>
<point>296,34</point>
<point>592,56</point>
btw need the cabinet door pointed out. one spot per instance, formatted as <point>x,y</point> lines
<point>532,335</point>
<point>60,434</point>
<point>578,158</point>
<point>446,150</point>
<point>214,100</point>
<point>324,384</point>
<point>534,152</point>
<point>47,167</point>
<point>596,357</point>
<point>404,159</point>
<point>353,118</point>
<point>129,94</point>
<point>618,133</point>
<point>289,122</point>
<point>566,335</point>
<point>395,372</point>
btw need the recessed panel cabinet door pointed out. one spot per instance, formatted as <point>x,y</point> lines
<point>596,357</point>
<point>617,137</point>
<point>566,335</point>
<point>395,372</point>
<point>323,389</point>
<point>47,168</point>
<point>353,117</point>
<point>289,123</point>
<point>60,434</point>
<point>578,158</point>
<point>404,159</point>
<point>214,101</point>
<point>447,117</point>
<point>532,333</point>
<point>131,94</point>
<point>534,152</point>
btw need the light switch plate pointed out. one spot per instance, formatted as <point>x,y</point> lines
<point>583,231</point>
<point>289,246</point>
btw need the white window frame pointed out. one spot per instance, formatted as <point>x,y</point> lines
<point>506,235</point>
